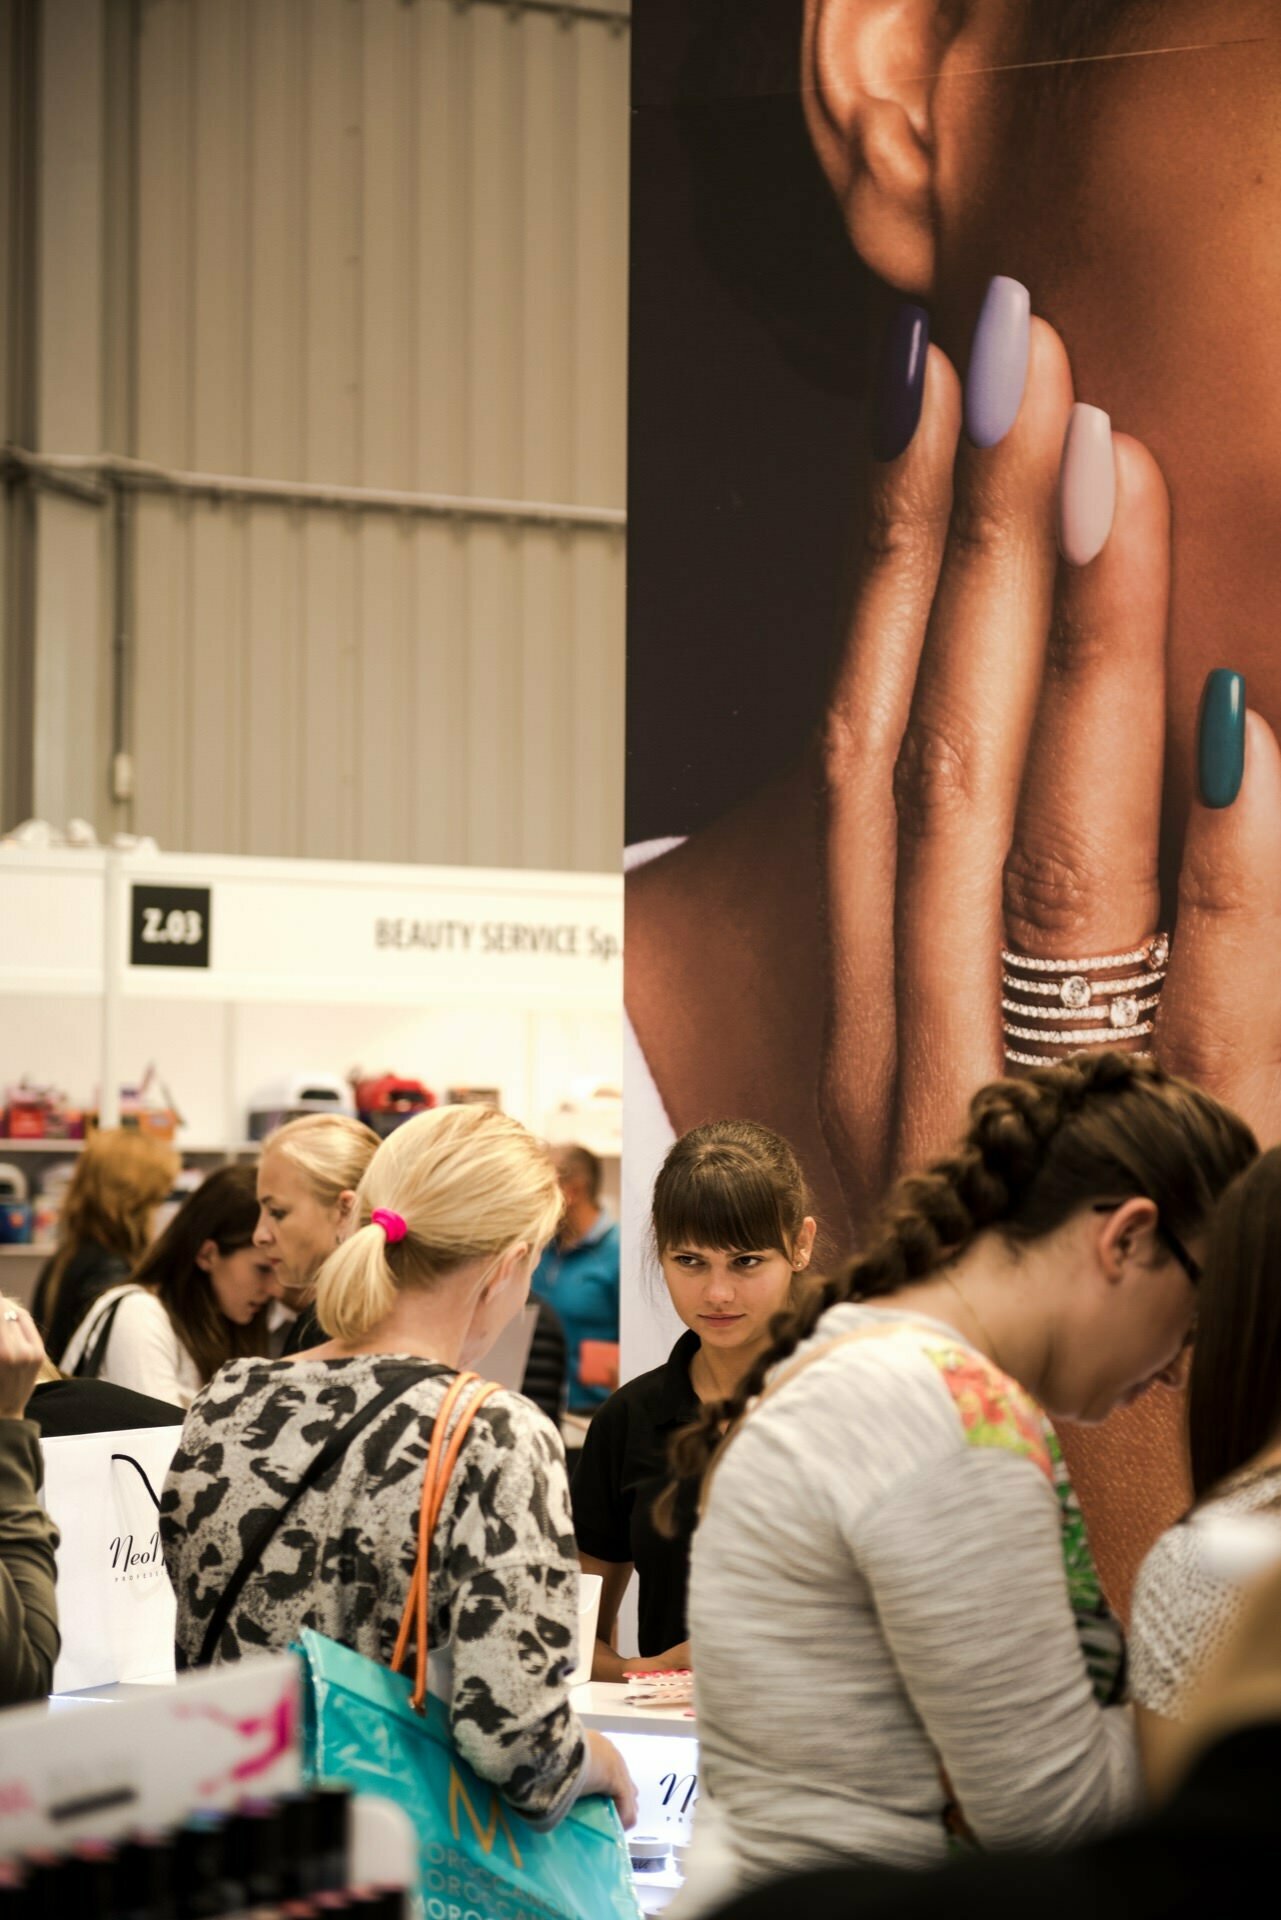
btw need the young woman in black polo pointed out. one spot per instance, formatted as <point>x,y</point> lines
<point>733,1234</point>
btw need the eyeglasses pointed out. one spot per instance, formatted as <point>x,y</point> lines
<point>1172,1241</point>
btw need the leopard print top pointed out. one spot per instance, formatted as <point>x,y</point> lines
<point>504,1570</point>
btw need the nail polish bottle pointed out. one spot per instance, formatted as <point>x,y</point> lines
<point>144,1878</point>
<point>88,1879</point>
<point>256,1851</point>
<point>332,1814</point>
<point>16,1902</point>
<point>45,1873</point>
<point>300,1825</point>
<point>381,1903</point>
<point>204,1890</point>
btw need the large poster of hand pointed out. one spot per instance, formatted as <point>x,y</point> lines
<point>955,521</point>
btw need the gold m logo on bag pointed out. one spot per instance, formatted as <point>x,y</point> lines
<point>486,1835</point>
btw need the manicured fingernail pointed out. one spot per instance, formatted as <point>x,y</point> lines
<point>1220,743</point>
<point>1087,485</point>
<point>998,362</point>
<point>902,381</point>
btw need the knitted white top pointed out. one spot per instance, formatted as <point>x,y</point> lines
<point>1183,1610</point>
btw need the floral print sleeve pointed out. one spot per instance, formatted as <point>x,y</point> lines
<point>504,1571</point>
<point>995,1412</point>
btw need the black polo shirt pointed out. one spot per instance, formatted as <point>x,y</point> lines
<point>621,1471</point>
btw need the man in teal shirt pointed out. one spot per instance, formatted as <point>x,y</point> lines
<point>578,1274</point>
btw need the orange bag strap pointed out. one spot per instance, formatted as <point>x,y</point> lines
<point>457,1387</point>
<point>467,1395</point>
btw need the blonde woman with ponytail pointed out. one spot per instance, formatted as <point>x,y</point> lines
<point>447,1224</point>
<point>878,1605</point>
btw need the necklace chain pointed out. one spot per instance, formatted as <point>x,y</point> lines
<point>977,1318</point>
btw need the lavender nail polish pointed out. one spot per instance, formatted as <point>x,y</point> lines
<point>902,381</point>
<point>998,362</point>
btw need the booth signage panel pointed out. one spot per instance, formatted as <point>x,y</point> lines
<point>441,932</point>
<point>169,926</point>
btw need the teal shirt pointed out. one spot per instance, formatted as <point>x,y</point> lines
<point>580,1284</point>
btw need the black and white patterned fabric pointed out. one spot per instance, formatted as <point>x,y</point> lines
<point>504,1571</point>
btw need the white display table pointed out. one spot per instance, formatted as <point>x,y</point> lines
<point>660,1746</point>
<point>601,1704</point>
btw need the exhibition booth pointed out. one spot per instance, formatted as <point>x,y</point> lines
<point>206,999</point>
<point>210,997</point>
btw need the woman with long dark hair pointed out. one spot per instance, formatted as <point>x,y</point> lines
<point>733,1234</point>
<point>1184,1609</point>
<point>877,1582</point>
<point>197,1299</point>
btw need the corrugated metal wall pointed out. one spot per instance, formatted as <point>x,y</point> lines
<point>376,243</point>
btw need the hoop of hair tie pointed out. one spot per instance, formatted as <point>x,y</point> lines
<point>391,1223</point>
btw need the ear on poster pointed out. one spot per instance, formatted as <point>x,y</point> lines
<point>870,69</point>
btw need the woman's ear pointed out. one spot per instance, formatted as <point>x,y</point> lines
<point>205,1255</point>
<point>1124,1232</point>
<point>869,69</point>
<point>803,1251</point>
<point>346,1211</point>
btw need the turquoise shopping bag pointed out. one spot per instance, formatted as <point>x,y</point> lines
<point>368,1725</point>
<point>478,1860</point>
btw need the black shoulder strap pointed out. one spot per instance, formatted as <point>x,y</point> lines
<point>94,1352</point>
<point>333,1449</point>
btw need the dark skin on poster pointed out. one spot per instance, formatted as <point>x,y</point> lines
<point>1010,750</point>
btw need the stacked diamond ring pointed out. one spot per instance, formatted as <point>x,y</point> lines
<point>1067,1006</point>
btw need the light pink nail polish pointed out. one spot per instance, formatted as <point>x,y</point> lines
<point>1087,486</point>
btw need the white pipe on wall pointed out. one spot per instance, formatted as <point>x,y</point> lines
<point>78,473</point>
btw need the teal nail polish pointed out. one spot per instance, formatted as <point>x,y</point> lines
<point>1220,749</point>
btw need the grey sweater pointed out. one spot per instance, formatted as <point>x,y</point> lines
<point>877,1592</point>
<point>28,1609</point>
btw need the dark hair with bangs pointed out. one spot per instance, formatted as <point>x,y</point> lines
<point>1234,1387</point>
<point>732,1185</point>
<point>224,1209</point>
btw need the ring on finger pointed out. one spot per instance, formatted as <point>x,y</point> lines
<point>1065,1006</point>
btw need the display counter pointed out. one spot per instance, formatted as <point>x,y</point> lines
<point>660,1747</point>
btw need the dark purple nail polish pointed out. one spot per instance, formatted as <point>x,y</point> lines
<point>902,381</point>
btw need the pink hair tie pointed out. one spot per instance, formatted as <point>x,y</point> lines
<point>391,1223</point>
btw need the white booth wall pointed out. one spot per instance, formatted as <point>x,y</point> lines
<point>462,977</point>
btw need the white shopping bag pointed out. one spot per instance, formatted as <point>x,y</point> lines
<point>115,1604</point>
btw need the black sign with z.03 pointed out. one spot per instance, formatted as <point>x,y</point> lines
<point>169,926</point>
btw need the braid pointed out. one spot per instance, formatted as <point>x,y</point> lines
<point>1036,1149</point>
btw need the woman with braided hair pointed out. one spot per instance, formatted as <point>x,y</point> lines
<point>878,1608</point>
